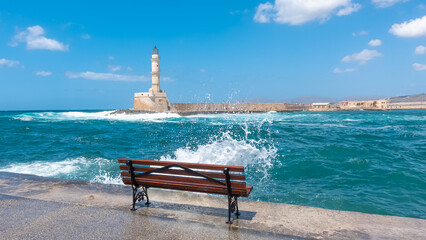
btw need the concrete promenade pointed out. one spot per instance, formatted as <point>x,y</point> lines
<point>34,207</point>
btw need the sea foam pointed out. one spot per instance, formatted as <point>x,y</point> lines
<point>103,115</point>
<point>71,168</point>
<point>44,168</point>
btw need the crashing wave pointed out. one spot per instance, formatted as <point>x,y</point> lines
<point>227,150</point>
<point>80,168</point>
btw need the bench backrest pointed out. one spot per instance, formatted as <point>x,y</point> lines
<point>198,177</point>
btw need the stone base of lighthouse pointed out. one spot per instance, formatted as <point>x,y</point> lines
<point>152,101</point>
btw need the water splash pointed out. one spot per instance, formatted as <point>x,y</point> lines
<point>228,150</point>
<point>105,175</point>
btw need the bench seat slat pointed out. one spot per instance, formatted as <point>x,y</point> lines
<point>182,172</point>
<point>249,188</point>
<point>243,192</point>
<point>188,165</point>
<point>184,180</point>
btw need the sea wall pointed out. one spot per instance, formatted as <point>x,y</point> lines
<point>235,107</point>
<point>408,105</point>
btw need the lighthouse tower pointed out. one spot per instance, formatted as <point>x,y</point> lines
<point>156,99</point>
<point>155,67</point>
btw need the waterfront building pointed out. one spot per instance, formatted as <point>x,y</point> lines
<point>321,107</point>
<point>366,104</point>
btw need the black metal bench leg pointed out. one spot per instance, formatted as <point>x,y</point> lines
<point>236,205</point>
<point>140,195</point>
<point>134,189</point>
<point>147,198</point>
<point>232,199</point>
<point>232,207</point>
<point>134,186</point>
<point>229,210</point>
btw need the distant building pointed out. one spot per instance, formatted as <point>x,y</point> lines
<point>367,104</point>
<point>321,107</point>
<point>156,99</point>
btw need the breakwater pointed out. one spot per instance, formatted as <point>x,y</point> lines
<point>200,108</point>
<point>187,108</point>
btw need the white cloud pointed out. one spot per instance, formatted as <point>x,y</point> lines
<point>113,68</point>
<point>86,36</point>
<point>297,12</point>
<point>363,32</point>
<point>386,3</point>
<point>338,70</point>
<point>362,57</point>
<point>35,39</point>
<point>111,57</point>
<point>129,68</point>
<point>413,28</point>
<point>8,63</point>
<point>43,73</point>
<point>202,70</point>
<point>264,12</point>
<point>420,50</point>
<point>375,42</point>
<point>349,9</point>
<point>422,6</point>
<point>107,76</point>
<point>419,67</point>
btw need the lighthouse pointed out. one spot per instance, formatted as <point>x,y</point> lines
<point>156,99</point>
<point>155,71</point>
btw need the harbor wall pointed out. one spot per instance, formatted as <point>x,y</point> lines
<point>408,105</point>
<point>236,107</point>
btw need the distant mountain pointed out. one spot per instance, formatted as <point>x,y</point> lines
<point>409,98</point>
<point>309,99</point>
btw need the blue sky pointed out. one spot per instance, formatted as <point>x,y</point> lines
<point>96,54</point>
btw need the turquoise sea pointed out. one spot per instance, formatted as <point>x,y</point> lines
<point>365,161</point>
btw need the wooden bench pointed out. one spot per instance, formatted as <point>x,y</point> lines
<point>194,177</point>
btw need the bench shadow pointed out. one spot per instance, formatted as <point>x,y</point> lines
<point>212,211</point>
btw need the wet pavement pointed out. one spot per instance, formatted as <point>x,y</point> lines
<point>34,207</point>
